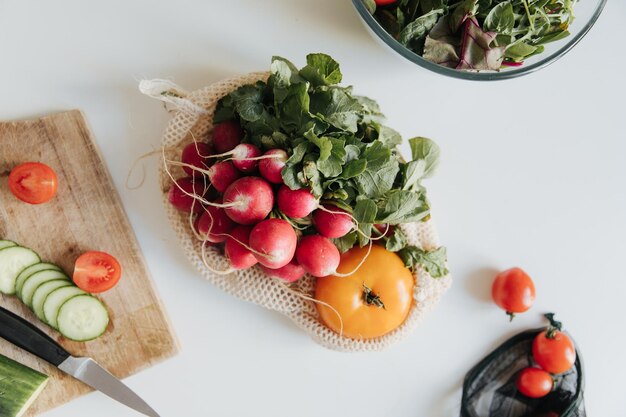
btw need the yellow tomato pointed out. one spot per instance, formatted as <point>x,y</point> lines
<point>372,301</point>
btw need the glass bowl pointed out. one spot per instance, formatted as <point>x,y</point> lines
<point>586,12</point>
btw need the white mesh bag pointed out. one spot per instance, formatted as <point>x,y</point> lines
<point>192,114</point>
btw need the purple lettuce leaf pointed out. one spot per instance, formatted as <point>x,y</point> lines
<point>459,42</point>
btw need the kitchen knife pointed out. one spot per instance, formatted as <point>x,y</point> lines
<point>28,337</point>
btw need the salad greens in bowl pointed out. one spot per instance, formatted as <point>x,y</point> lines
<point>480,39</point>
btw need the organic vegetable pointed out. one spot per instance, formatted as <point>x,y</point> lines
<point>55,300</point>
<point>35,280</point>
<point>274,242</point>
<point>222,175</point>
<point>372,301</point>
<point>553,350</point>
<point>226,136</point>
<point>236,251</point>
<point>290,272</point>
<point>19,387</point>
<point>317,255</point>
<point>196,154</point>
<point>46,289</point>
<point>245,157</point>
<point>318,136</point>
<point>534,382</point>
<point>513,291</point>
<point>475,34</point>
<point>252,199</point>
<point>82,318</point>
<point>28,271</point>
<point>7,244</point>
<point>42,292</point>
<point>214,224</point>
<point>296,203</point>
<point>271,168</point>
<point>33,182</point>
<point>331,222</point>
<point>96,272</point>
<point>13,260</point>
<point>385,2</point>
<point>181,194</point>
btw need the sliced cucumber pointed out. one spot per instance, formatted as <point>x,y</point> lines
<point>12,261</point>
<point>35,280</point>
<point>55,300</point>
<point>7,244</point>
<point>19,386</point>
<point>42,291</point>
<point>82,318</point>
<point>41,266</point>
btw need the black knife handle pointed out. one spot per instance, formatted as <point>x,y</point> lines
<point>28,337</point>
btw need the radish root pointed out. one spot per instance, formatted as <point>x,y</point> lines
<point>206,263</point>
<point>313,300</point>
<point>369,250</point>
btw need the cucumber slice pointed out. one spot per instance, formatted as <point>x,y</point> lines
<point>55,300</point>
<point>12,261</point>
<point>41,266</point>
<point>82,318</point>
<point>42,291</point>
<point>35,280</point>
<point>19,386</point>
<point>7,244</point>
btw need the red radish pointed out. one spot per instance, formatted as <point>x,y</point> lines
<point>179,198</point>
<point>332,225</point>
<point>271,168</point>
<point>291,272</point>
<point>318,255</point>
<point>197,155</point>
<point>239,256</point>
<point>242,157</point>
<point>384,228</point>
<point>296,203</point>
<point>222,175</point>
<point>226,136</point>
<point>384,2</point>
<point>274,242</point>
<point>214,224</point>
<point>254,200</point>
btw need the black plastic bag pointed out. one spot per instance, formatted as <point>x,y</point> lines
<point>489,388</point>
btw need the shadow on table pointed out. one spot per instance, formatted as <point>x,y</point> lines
<point>478,283</point>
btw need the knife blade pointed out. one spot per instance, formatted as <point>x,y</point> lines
<point>27,336</point>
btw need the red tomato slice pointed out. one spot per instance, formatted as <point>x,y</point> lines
<point>33,182</point>
<point>96,272</point>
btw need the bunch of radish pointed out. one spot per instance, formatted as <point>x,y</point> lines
<point>237,198</point>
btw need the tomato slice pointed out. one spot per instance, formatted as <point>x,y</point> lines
<point>33,182</point>
<point>96,272</point>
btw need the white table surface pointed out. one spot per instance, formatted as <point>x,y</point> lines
<point>532,174</point>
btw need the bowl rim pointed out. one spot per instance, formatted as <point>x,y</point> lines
<point>396,46</point>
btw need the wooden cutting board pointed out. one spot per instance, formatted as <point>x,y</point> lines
<point>85,215</point>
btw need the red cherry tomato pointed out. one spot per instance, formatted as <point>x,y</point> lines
<point>384,2</point>
<point>33,182</point>
<point>96,272</point>
<point>513,291</point>
<point>553,350</point>
<point>534,382</point>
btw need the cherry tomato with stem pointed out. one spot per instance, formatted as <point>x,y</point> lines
<point>553,350</point>
<point>513,291</point>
